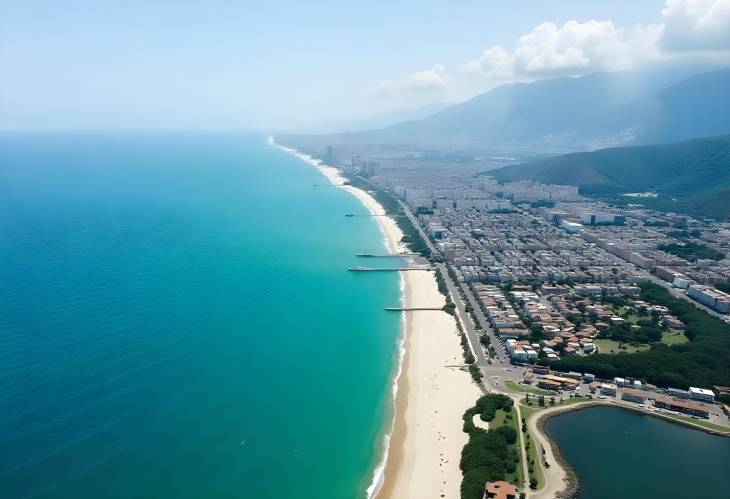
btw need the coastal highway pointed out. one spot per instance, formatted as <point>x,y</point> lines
<point>481,358</point>
<point>483,322</point>
<point>466,322</point>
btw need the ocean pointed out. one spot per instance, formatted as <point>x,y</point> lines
<point>620,453</point>
<point>176,320</point>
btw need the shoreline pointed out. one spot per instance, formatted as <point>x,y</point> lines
<point>391,241</point>
<point>561,471</point>
<point>434,391</point>
<point>422,443</point>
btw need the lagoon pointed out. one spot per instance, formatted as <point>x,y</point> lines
<point>621,453</point>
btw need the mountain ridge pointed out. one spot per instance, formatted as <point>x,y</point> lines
<point>595,109</point>
<point>691,176</point>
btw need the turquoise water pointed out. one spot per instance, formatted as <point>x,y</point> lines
<point>620,453</point>
<point>176,321</point>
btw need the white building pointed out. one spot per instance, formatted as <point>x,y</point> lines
<point>701,394</point>
<point>572,227</point>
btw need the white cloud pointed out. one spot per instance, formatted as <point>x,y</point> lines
<point>428,79</point>
<point>571,49</point>
<point>696,25</point>
<point>686,28</point>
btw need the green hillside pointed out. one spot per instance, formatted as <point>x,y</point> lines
<point>690,177</point>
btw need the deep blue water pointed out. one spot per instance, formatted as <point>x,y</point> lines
<point>620,453</point>
<point>176,321</point>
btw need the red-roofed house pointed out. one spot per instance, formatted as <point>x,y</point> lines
<point>500,490</point>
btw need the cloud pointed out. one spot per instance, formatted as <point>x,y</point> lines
<point>571,49</point>
<point>685,29</point>
<point>429,79</point>
<point>696,25</point>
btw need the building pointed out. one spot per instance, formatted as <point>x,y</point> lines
<point>677,393</point>
<point>701,394</point>
<point>500,490</point>
<point>549,385</point>
<point>707,295</point>
<point>632,395</point>
<point>572,227</point>
<point>608,389</point>
<point>589,218</point>
<point>683,406</point>
<point>563,382</point>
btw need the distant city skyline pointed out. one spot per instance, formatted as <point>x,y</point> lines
<point>286,65</point>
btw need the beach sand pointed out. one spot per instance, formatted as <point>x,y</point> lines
<point>427,438</point>
<point>433,390</point>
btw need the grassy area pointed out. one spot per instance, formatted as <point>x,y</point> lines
<point>674,337</point>
<point>701,422</point>
<point>524,389</point>
<point>532,405</point>
<point>533,460</point>
<point>527,410</point>
<point>631,318</point>
<point>502,418</point>
<point>613,347</point>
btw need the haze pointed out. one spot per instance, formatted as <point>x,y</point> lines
<point>297,66</point>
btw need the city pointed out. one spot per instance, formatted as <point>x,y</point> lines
<point>544,279</point>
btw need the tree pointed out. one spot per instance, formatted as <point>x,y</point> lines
<point>533,483</point>
<point>509,434</point>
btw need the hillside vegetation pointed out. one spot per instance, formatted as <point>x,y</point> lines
<point>691,176</point>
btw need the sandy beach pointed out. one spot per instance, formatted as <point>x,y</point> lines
<point>432,396</point>
<point>433,391</point>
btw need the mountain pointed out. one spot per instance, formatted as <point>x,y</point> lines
<point>600,109</point>
<point>384,119</point>
<point>696,107</point>
<point>691,176</point>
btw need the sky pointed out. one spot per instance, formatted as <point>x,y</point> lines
<point>94,64</point>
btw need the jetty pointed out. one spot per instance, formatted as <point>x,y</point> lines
<point>411,309</point>
<point>394,255</point>
<point>369,215</point>
<point>394,215</point>
<point>385,269</point>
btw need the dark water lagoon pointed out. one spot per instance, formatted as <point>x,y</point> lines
<point>618,453</point>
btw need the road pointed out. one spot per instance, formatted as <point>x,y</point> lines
<point>680,294</point>
<point>465,319</point>
<point>469,329</point>
<point>483,321</point>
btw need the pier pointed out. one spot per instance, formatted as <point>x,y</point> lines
<point>412,309</point>
<point>384,269</point>
<point>394,255</point>
<point>373,215</point>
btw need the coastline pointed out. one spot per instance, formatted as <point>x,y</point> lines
<point>391,240</point>
<point>422,443</point>
<point>433,393</point>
